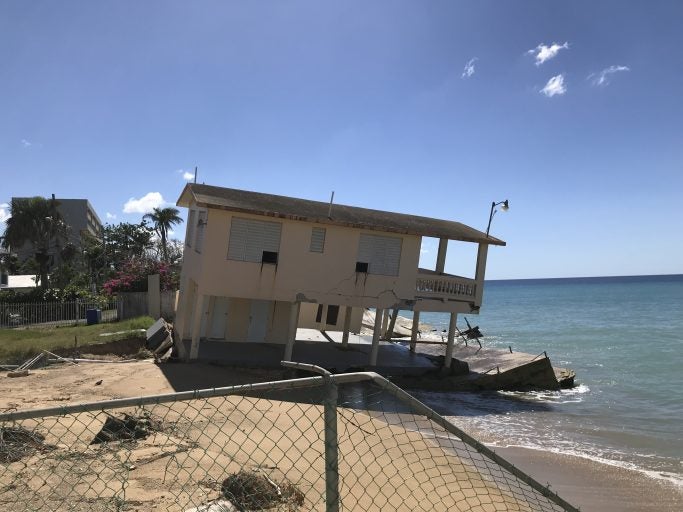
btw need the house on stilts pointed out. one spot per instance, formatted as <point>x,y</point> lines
<point>258,266</point>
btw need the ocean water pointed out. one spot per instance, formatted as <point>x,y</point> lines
<point>623,336</point>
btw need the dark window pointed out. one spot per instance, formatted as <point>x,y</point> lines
<point>361,266</point>
<point>319,314</point>
<point>332,315</point>
<point>269,257</point>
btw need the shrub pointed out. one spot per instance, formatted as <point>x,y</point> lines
<point>133,277</point>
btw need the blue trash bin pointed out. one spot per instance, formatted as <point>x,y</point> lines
<point>93,316</point>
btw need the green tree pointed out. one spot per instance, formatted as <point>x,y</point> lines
<point>36,221</point>
<point>163,219</point>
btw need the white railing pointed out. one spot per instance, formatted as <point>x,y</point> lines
<point>27,314</point>
<point>449,287</point>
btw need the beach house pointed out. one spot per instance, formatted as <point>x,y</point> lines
<point>258,266</point>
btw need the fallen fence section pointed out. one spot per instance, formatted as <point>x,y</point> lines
<point>333,442</point>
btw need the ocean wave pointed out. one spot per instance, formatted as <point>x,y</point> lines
<point>563,396</point>
<point>675,479</point>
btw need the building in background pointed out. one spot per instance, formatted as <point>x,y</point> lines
<point>79,216</point>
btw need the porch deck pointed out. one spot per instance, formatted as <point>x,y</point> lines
<point>313,347</point>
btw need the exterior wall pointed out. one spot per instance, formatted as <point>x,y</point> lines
<point>308,313</point>
<point>278,326</point>
<point>300,275</point>
<point>238,319</point>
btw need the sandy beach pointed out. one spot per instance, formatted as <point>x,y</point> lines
<point>593,486</point>
<point>588,485</point>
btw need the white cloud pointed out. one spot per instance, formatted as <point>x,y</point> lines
<point>145,204</point>
<point>26,143</point>
<point>4,213</point>
<point>555,86</point>
<point>469,68</point>
<point>543,53</point>
<point>187,175</point>
<point>602,78</point>
<point>111,216</point>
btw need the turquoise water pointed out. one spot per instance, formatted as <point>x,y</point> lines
<point>623,337</point>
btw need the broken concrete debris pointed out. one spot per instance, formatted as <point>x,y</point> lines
<point>130,427</point>
<point>160,340</point>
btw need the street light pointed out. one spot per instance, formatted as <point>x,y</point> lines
<point>505,207</point>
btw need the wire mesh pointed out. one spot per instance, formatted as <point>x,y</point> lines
<point>250,449</point>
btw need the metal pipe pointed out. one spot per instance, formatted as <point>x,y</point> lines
<point>240,390</point>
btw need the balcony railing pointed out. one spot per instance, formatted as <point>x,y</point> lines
<point>445,287</point>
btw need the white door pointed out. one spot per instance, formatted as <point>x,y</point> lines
<point>219,319</point>
<point>258,320</point>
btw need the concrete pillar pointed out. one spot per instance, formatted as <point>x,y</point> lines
<point>154,296</point>
<point>451,340</point>
<point>385,322</point>
<point>347,326</point>
<point>181,317</point>
<point>294,309</point>
<point>200,304</point>
<point>375,337</point>
<point>416,327</point>
<point>480,274</point>
<point>392,324</point>
<point>441,255</point>
<point>323,319</point>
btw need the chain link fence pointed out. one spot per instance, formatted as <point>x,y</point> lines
<point>333,442</point>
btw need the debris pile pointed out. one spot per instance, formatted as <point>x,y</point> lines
<point>130,427</point>
<point>249,490</point>
<point>17,443</point>
<point>160,340</point>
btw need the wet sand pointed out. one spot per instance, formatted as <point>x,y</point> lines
<point>596,487</point>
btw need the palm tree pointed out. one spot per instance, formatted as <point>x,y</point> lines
<point>163,219</point>
<point>36,221</point>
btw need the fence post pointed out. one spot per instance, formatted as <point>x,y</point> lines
<point>331,446</point>
<point>331,441</point>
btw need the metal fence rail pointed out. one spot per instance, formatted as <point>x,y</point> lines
<point>333,442</point>
<point>28,314</point>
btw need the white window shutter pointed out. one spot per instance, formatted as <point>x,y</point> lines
<point>382,253</point>
<point>249,238</point>
<point>317,240</point>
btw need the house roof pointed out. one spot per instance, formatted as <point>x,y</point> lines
<point>292,208</point>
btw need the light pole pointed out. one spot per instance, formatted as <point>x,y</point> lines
<point>505,207</point>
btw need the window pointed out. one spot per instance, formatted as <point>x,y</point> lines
<point>199,237</point>
<point>190,228</point>
<point>317,240</point>
<point>381,253</point>
<point>362,266</point>
<point>257,241</point>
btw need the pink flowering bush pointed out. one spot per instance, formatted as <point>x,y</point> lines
<point>133,277</point>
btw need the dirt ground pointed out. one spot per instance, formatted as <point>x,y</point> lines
<point>199,443</point>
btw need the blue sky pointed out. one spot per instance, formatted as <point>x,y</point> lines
<point>571,110</point>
